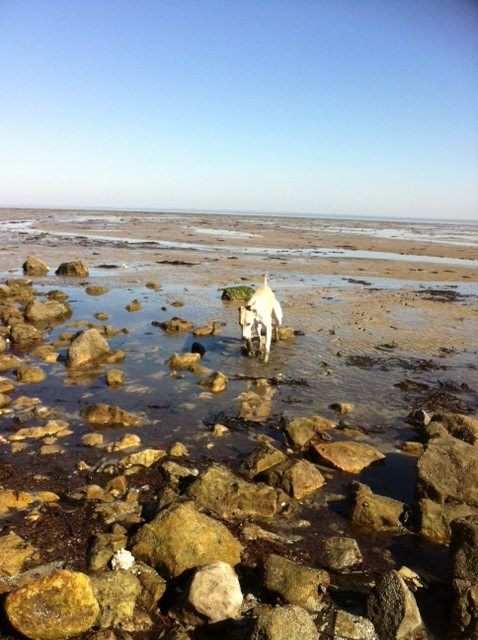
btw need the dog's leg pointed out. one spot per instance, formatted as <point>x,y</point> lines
<point>268,342</point>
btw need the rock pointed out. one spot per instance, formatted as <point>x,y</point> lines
<point>45,352</point>
<point>206,330</point>
<point>135,305</point>
<point>464,611</point>
<point>434,519</point>
<point>464,548</point>
<point>15,552</point>
<point>463,569</point>
<point>23,335</point>
<point>215,593</point>
<point>175,325</point>
<point>116,593</point>
<point>4,400</point>
<point>216,382</point>
<point>3,344</point>
<point>104,415</point>
<point>374,511</point>
<point>30,374</point>
<point>343,408</point>
<point>115,378</point>
<point>57,428</point>
<point>126,442</point>
<point>153,586</point>
<point>447,484</point>
<point>184,360</point>
<point>341,553</point>
<point>301,479</point>
<point>47,312</point>
<point>350,627</point>
<point>58,606</point>
<point>219,490</point>
<point>103,548</point>
<point>203,540</point>
<point>94,290</point>
<point>283,623</point>
<point>418,418</point>
<point>34,266</point>
<point>393,610</point>
<point>6,385</point>
<point>262,458</point>
<point>301,430</point>
<point>254,532</point>
<point>75,268</point>
<point>294,583</point>
<point>8,362</point>
<point>460,426</point>
<point>350,457</point>
<point>87,346</point>
<point>197,347</point>
<point>178,450</point>
<point>285,333</point>
<point>140,460</point>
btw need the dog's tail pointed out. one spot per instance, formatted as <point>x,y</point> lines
<point>266,276</point>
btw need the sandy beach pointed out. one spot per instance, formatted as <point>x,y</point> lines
<point>383,314</point>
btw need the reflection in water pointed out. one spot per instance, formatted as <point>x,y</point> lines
<point>256,402</point>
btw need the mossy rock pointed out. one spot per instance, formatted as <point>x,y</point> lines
<point>241,292</point>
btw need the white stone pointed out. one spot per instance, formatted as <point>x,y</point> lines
<point>215,592</point>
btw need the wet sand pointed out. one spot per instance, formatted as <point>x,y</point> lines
<point>144,238</point>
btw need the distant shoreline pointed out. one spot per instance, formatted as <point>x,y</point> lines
<point>249,213</point>
<point>235,245</point>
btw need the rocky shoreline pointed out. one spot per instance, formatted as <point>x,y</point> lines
<point>148,542</point>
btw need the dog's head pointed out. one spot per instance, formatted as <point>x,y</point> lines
<point>247,318</point>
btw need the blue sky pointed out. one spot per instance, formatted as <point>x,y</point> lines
<point>343,107</point>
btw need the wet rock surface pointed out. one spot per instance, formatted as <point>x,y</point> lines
<point>115,536</point>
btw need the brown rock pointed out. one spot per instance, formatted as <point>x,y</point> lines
<point>301,479</point>
<point>47,312</point>
<point>34,266</point>
<point>59,606</point>
<point>219,490</point>
<point>294,583</point>
<point>301,430</point>
<point>104,415</point>
<point>374,511</point>
<point>350,457</point>
<point>202,540</point>
<point>87,346</point>
<point>75,268</point>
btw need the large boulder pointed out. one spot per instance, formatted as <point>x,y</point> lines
<point>60,605</point>
<point>181,538</point>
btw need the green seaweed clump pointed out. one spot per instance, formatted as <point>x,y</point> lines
<point>241,292</point>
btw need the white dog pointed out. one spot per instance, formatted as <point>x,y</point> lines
<point>262,311</point>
